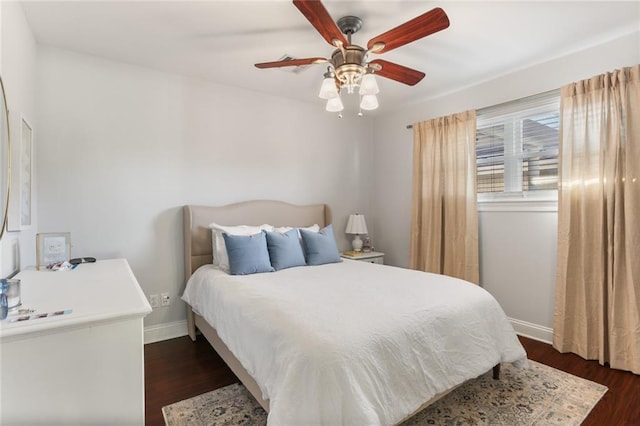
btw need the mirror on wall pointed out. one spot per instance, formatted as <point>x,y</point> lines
<point>5,159</point>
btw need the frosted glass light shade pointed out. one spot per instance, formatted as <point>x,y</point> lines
<point>328,89</point>
<point>369,102</point>
<point>335,104</point>
<point>368,85</point>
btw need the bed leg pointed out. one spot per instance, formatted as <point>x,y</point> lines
<point>191,323</point>
<point>496,372</point>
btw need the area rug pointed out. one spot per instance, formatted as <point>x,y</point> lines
<point>539,395</point>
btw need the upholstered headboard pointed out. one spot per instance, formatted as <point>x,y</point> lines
<point>197,235</point>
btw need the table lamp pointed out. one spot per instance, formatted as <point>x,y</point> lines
<point>357,226</point>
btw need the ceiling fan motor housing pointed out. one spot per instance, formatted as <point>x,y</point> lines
<point>349,67</point>
<point>349,25</point>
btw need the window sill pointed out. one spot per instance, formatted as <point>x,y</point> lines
<point>518,205</point>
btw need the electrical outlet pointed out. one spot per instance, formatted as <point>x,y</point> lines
<point>166,300</point>
<point>154,301</point>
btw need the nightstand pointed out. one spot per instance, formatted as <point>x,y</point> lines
<point>371,257</point>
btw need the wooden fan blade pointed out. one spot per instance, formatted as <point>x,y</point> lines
<point>316,13</point>
<point>291,63</point>
<point>397,72</point>
<point>428,23</point>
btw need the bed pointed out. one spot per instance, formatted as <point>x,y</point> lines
<point>310,343</point>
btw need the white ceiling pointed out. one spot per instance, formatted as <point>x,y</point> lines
<point>221,40</point>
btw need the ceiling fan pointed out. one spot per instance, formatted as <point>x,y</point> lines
<point>349,66</point>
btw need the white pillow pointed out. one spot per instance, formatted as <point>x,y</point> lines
<point>313,228</point>
<point>220,256</point>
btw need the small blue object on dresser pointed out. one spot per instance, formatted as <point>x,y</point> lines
<point>248,254</point>
<point>320,247</point>
<point>9,296</point>
<point>4,306</point>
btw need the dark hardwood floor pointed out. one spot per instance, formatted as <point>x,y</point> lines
<point>178,369</point>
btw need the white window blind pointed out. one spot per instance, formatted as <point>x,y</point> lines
<point>517,147</point>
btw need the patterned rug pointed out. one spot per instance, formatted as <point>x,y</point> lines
<point>539,395</point>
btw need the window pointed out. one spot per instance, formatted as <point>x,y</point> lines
<point>517,148</point>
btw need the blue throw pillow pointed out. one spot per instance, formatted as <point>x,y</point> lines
<point>247,254</point>
<point>320,247</point>
<point>285,250</point>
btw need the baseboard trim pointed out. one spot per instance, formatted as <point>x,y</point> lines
<point>171,330</point>
<point>532,331</point>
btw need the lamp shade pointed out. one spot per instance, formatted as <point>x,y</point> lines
<point>369,102</point>
<point>335,104</point>
<point>328,89</point>
<point>368,85</point>
<point>356,225</point>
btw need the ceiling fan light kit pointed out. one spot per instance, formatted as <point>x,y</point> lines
<point>349,67</point>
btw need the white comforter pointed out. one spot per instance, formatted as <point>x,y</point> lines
<point>353,343</point>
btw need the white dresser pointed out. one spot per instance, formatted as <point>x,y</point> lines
<point>80,368</point>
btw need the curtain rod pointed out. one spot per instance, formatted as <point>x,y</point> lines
<point>507,103</point>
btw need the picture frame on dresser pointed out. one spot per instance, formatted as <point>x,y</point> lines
<point>52,248</point>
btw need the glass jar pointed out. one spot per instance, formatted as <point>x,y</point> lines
<point>10,288</point>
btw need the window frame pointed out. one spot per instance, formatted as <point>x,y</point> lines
<point>538,200</point>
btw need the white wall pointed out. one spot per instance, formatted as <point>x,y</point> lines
<point>123,148</point>
<point>119,149</point>
<point>18,74</point>
<point>518,249</point>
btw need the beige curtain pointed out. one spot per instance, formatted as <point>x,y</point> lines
<point>597,312</point>
<point>444,223</point>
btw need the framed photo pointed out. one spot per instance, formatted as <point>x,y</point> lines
<point>52,248</point>
<point>26,146</point>
<point>20,205</point>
